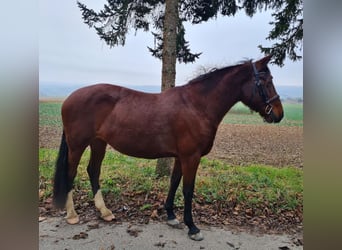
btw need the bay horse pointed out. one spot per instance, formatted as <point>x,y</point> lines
<point>180,122</point>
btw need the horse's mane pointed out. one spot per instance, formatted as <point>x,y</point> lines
<point>214,71</point>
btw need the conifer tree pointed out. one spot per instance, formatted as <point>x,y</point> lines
<point>165,20</point>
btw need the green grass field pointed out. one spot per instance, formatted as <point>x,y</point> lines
<point>50,114</point>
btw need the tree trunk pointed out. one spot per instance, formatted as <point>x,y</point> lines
<point>168,66</point>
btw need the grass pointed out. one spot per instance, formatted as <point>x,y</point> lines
<point>50,113</point>
<point>252,186</point>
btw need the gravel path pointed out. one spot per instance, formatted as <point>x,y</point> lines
<point>55,233</point>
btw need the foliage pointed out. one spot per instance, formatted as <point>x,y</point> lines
<point>288,29</point>
<point>114,21</point>
<point>182,46</point>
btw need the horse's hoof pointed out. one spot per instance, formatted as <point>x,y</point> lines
<point>73,220</point>
<point>196,237</point>
<point>108,217</point>
<point>175,224</point>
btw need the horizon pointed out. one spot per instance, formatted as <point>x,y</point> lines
<point>63,89</point>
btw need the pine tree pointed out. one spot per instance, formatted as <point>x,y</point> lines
<point>165,20</point>
<point>287,31</point>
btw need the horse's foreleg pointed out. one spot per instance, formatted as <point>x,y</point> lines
<point>174,183</point>
<point>98,150</point>
<point>189,168</point>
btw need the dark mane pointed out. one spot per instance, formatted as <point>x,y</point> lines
<point>215,71</point>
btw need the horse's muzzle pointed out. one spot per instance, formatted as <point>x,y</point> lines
<point>272,117</point>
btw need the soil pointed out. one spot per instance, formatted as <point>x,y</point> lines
<point>259,144</point>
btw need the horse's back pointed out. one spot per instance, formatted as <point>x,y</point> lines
<point>89,99</point>
<point>87,108</point>
<point>93,93</point>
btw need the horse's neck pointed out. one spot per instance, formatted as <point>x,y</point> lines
<point>218,100</point>
<point>222,99</point>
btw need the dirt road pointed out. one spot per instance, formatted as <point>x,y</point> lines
<point>55,233</point>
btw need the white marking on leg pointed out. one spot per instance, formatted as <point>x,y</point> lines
<point>71,217</point>
<point>106,214</point>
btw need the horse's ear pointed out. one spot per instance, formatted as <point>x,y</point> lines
<point>264,61</point>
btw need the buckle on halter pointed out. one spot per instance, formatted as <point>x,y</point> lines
<point>268,109</point>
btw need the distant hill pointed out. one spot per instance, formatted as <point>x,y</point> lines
<point>61,90</point>
<point>290,92</point>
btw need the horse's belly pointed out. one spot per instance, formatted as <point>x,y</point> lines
<point>143,145</point>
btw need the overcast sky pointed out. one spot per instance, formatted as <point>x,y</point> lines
<point>70,52</point>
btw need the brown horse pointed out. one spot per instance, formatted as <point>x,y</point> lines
<point>180,122</point>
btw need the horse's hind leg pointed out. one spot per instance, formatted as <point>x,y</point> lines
<point>98,150</point>
<point>74,157</point>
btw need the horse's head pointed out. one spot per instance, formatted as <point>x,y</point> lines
<point>259,93</point>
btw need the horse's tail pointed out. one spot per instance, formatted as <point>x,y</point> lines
<point>60,187</point>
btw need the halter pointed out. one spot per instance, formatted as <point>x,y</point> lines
<point>262,91</point>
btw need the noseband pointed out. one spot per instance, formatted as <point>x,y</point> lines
<point>262,91</point>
